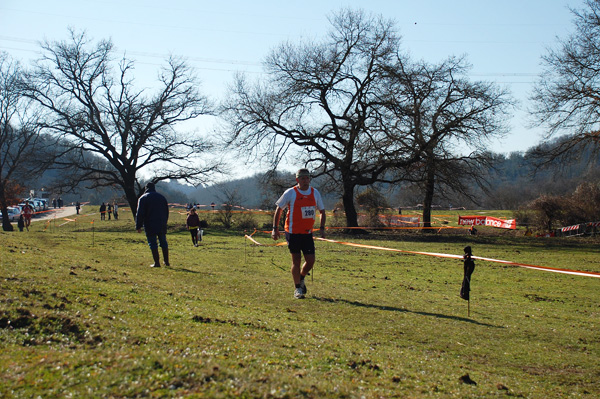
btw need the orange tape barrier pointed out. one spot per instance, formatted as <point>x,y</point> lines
<point>249,237</point>
<point>397,228</point>
<point>438,228</point>
<point>279,244</point>
<point>440,255</point>
<point>68,220</point>
<point>450,256</point>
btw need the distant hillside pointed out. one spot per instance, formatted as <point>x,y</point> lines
<point>251,192</point>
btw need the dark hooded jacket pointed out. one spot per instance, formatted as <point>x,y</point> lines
<point>152,212</point>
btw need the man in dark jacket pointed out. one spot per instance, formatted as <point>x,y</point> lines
<point>152,215</point>
<point>102,211</point>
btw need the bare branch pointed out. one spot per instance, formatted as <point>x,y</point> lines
<point>567,95</point>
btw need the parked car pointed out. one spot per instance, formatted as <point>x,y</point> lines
<point>38,204</point>
<point>13,213</point>
<point>43,203</point>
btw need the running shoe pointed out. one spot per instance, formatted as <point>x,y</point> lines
<point>303,287</point>
<point>298,293</point>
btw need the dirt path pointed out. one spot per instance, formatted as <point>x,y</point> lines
<point>63,212</point>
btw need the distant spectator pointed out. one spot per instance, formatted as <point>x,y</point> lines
<point>192,223</point>
<point>108,210</point>
<point>54,203</point>
<point>153,215</point>
<point>21,222</point>
<point>116,211</point>
<point>103,212</point>
<point>77,207</point>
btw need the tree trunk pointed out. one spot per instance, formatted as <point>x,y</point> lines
<point>349,208</point>
<point>132,198</point>
<point>6,225</point>
<point>428,200</point>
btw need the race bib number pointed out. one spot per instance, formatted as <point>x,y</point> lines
<point>308,212</point>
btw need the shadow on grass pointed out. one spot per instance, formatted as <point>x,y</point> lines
<point>395,309</point>
<point>184,270</point>
<point>177,269</point>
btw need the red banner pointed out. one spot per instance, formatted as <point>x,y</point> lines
<point>487,221</point>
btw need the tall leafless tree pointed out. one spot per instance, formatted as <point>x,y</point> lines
<point>24,153</point>
<point>117,134</point>
<point>323,101</point>
<point>449,120</point>
<point>566,98</point>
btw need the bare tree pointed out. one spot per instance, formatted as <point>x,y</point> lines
<point>549,210</point>
<point>24,153</point>
<point>566,98</point>
<point>115,131</point>
<point>323,101</point>
<point>230,199</point>
<point>449,120</point>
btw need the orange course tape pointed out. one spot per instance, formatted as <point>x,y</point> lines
<point>441,255</point>
<point>279,244</point>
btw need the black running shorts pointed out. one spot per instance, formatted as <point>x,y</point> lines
<point>300,243</point>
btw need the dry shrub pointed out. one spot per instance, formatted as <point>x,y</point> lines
<point>551,212</point>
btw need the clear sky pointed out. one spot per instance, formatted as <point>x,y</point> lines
<point>502,40</point>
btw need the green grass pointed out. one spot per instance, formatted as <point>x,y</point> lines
<point>82,315</point>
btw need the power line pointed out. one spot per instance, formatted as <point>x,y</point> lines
<point>136,53</point>
<point>203,60</point>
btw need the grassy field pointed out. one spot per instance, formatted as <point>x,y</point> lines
<point>83,315</point>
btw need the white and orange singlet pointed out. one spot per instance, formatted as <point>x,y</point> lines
<point>301,213</point>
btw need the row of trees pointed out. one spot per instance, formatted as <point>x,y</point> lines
<point>363,112</point>
<point>353,107</point>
